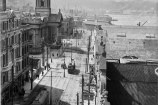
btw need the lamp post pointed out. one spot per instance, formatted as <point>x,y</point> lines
<point>47,57</point>
<point>64,65</point>
<point>43,54</point>
<point>71,51</point>
<point>31,73</point>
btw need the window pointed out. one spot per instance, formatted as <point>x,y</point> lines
<point>3,45</point>
<point>23,37</point>
<point>42,3</point>
<point>12,40</point>
<point>17,67</point>
<point>3,26</point>
<point>5,77</point>
<point>5,60</point>
<point>22,51</point>
<point>19,39</point>
<point>17,22</point>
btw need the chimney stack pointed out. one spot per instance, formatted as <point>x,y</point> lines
<point>3,5</point>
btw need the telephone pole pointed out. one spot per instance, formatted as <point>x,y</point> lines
<point>82,89</point>
<point>51,90</point>
<point>31,73</point>
<point>47,57</point>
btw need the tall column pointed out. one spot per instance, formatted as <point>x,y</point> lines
<point>39,3</point>
<point>36,3</point>
<point>4,5</point>
<point>45,4</point>
<point>49,3</point>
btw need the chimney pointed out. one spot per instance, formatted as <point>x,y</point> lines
<point>4,5</point>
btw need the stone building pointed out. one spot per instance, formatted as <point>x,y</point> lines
<point>45,29</point>
<point>67,26</point>
<point>23,36</point>
<point>14,53</point>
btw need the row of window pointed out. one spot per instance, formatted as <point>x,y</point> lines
<point>5,74</point>
<point>10,41</point>
<point>10,24</point>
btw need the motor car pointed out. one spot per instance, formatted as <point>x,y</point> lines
<point>131,59</point>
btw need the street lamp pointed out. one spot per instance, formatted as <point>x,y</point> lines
<point>31,63</point>
<point>71,51</point>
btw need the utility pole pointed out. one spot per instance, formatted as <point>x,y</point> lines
<point>64,65</point>
<point>32,73</point>
<point>76,41</point>
<point>51,90</point>
<point>77,99</point>
<point>13,83</point>
<point>43,54</point>
<point>71,51</point>
<point>47,57</point>
<point>82,89</point>
<point>89,88</point>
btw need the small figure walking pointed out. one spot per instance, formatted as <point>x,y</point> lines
<point>37,76</point>
<point>45,67</point>
<point>42,73</point>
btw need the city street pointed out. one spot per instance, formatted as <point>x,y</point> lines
<point>65,89</point>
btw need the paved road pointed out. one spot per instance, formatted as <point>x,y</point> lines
<point>64,89</point>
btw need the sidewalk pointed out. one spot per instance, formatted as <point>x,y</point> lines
<point>27,88</point>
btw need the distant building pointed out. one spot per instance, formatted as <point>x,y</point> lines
<point>67,26</point>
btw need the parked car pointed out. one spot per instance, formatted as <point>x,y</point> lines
<point>130,59</point>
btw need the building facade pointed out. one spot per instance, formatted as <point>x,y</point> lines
<point>14,63</point>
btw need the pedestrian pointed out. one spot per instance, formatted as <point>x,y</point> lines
<point>45,67</point>
<point>42,73</point>
<point>38,76</point>
<point>49,66</point>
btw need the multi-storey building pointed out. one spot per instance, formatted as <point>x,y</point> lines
<point>14,53</point>
<point>21,36</point>
<point>45,28</point>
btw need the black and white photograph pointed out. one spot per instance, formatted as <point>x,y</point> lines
<point>79,52</point>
